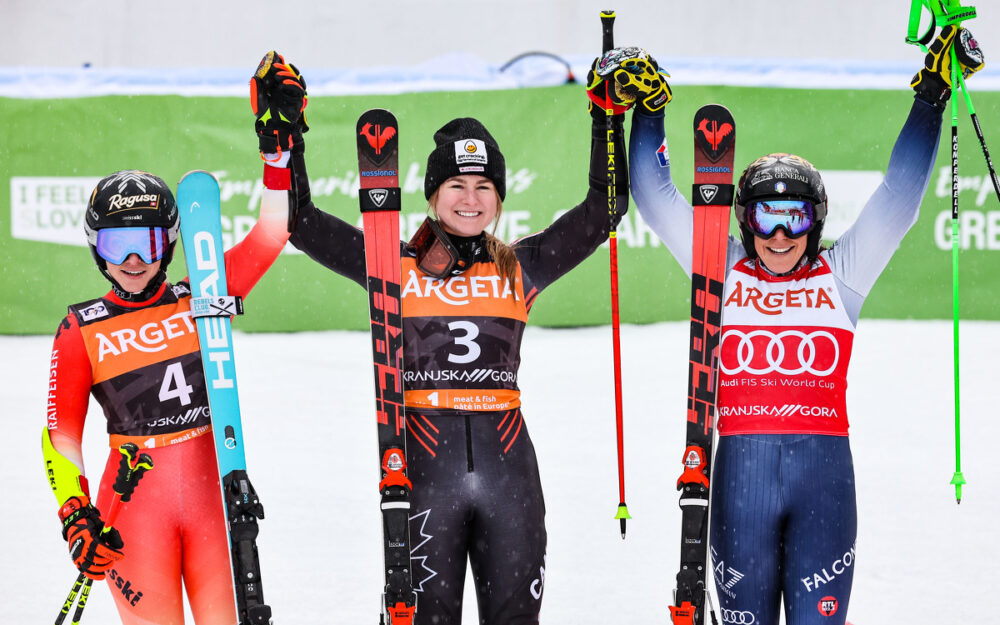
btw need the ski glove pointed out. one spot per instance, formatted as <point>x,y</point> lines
<point>636,80</point>
<point>278,99</point>
<point>933,82</point>
<point>93,550</point>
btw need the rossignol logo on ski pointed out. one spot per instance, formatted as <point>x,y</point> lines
<point>713,136</point>
<point>376,139</point>
<point>378,196</point>
<point>708,191</point>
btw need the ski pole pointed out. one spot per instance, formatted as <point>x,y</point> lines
<point>957,479</point>
<point>945,13</point>
<point>608,42</point>
<point>130,470</point>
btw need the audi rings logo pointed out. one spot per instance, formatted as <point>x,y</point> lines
<point>790,352</point>
<point>738,617</point>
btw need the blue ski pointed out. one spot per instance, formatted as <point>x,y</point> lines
<point>212,308</point>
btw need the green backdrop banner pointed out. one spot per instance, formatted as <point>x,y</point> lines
<point>55,150</point>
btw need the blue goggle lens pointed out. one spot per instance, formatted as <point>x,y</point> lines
<point>116,244</point>
<point>795,217</point>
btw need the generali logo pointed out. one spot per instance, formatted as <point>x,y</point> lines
<point>776,302</point>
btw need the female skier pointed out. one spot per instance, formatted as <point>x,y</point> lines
<point>476,491</point>
<point>136,350</point>
<point>784,514</point>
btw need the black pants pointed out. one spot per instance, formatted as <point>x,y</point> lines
<point>476,494</point>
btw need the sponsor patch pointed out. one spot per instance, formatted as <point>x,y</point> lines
<point>470,151</point>
<point>828,606</point>
<point>94,311</point>
<point>662,155</point>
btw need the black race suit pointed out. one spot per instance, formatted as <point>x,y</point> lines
<point>476,488</point>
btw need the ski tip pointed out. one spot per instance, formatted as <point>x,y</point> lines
<point>197,173</point>
<point>622,523</point>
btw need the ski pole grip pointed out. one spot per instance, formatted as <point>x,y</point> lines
<point>608,28</point>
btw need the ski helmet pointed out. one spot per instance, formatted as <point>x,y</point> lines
<point>132,199</point>
<point>781,176</point>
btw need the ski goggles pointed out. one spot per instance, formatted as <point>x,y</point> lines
<point>116,244</point>
<point>795,217</point>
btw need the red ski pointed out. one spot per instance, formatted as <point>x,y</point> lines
<point>712,197</point>
<point>378,166</point>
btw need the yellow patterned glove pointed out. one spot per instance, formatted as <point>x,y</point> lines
<point>933,82</point>
<point>636,79</point>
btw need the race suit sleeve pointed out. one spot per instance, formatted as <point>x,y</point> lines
<point>660,203</point>
<point>249,260</point>
<point>862,253</point>
<point>328,240</point>
<point>70,379</point>
<point>549,254</point>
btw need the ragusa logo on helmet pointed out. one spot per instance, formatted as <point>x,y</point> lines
<point>125,202</point>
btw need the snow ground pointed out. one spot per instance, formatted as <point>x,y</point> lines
<point>310,439</point>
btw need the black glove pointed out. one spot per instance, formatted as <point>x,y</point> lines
<point>278,98</point>
<point>637,80</point>
<point>933,82</point>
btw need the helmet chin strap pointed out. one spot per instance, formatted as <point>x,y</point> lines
<point>151,287</point>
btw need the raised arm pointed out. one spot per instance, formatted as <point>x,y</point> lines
<point>862,253</point>
<point>618,80</point>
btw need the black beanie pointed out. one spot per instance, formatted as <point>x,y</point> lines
<point>464,146</point>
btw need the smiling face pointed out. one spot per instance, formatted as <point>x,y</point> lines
<point>133,275</point>
<point>779,253</point>
<point>466,204</point>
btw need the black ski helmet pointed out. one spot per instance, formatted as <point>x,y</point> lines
<point>781,176</point>
<point>130,199</point>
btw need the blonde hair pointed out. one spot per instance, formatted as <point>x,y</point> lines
<point>501,253</point>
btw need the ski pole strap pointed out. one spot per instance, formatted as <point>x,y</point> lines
<point>216,306</point>
<point>943,13</point>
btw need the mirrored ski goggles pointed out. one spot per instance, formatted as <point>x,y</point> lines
<point>116,244</point>
<point>795,217</point>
